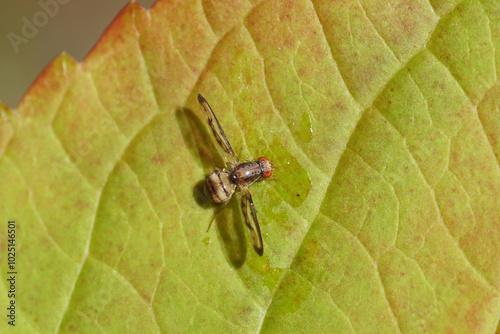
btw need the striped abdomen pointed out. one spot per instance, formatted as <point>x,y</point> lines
<point>218,188</point>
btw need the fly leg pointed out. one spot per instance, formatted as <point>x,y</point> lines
<point>216,212</point>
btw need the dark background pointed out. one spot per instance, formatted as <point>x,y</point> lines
<point>75,28</point>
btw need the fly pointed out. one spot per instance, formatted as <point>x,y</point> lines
<point>222,184</point>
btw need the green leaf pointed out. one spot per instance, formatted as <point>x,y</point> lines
<point>382,118</point>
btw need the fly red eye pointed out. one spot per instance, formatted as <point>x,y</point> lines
<point>266,167</point>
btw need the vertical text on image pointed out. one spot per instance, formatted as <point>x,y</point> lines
<point>11,272</point>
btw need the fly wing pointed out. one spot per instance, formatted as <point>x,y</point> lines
<point>219,134</point>
<point>253,225</point>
